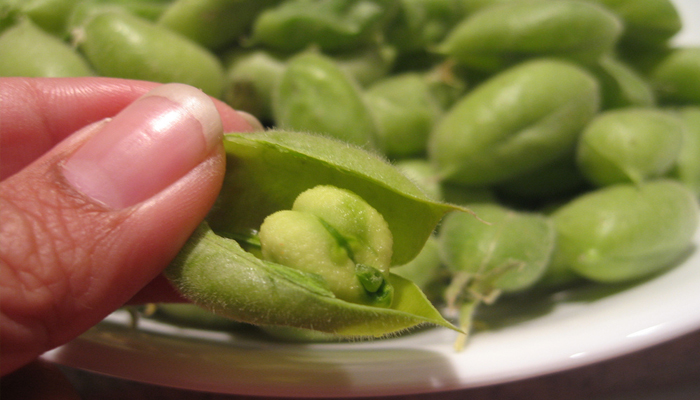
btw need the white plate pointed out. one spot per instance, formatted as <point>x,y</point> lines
<point>579,329</point>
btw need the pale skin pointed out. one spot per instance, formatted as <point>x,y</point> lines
<point>67,260</point>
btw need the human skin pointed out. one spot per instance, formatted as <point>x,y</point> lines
<point>68,259</point>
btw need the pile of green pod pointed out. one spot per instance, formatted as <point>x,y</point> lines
<point>569,128</point>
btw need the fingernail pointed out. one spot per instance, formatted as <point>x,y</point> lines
<point>146,147</point>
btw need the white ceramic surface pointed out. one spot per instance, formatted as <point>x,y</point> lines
<point>577,329</point>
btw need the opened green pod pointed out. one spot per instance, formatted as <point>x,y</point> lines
<point>266,172</point>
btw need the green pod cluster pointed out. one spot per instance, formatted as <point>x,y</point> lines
<point>332,25</point>
<point>266,172</point>
<point>625,232</point>
<point>629,145</point>
<point>119,44</point>
<point>405,112</point>
<point>315,95</point>
<point>677,76</point>
<point>333,233</point>
<point>499,36</point>
<point>518,121</point>
<point>214,24</point>
<point>27,50</point>
<point>426,271</point>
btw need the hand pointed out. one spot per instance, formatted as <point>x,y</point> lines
<point>103,180</point>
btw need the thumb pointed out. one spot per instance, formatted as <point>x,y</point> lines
<point>89,224</point>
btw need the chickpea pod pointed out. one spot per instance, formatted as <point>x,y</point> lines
<point>27,50</point>
<point>119,44</point>
<point>405,112</point>
<point>625,232</point>
<point>502,251</point>
<point>315,95</point>
<point>677,77</point>
<point>213,24</point>
<point>269,187</point>
<point>687,168</point>
<point>629,145</point>
<point>516,122</point>
<point>648,23</point>
<point>496,37</point>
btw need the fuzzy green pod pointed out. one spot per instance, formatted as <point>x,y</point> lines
<point>677,77</point>
<point>516,122</point>
<point>214,23</point>
<point>266,172</point>
<point>647,22</point>
<point>687,168</point>
<point>315,95</point>
<point>496,37</point>
<point>332,25</point>
<point>122,45</point>
<point>622,86</point>
<point>625,232</point>
<point>250,82</point>
<point>27,50</point>
<point>629,145</point>
<point>405,112</point>
<point>190,315</point>
<point>502,251</point>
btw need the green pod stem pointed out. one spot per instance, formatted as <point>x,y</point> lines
<point>405,112</point>
<point>516,122</point>
<point>27,50</point>
<point>219,275</point>
<point>496,37</point>
<point>625,232</point>
<point>687,168</point>
<point>331,25</point>
<point>267,171</point>
<point>629,145</point>
<point>122,45</point>
<point>214,24</point>
<point>677,77</point>
<point>315,95</point>
<point>648,23</point>
<point>622,86</point>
